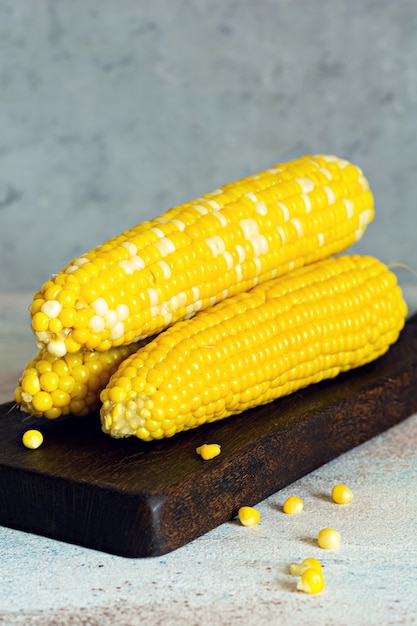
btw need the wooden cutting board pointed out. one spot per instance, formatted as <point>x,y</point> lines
<point>145,499</point>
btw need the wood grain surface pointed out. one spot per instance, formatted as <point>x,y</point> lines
<point>139,499</point>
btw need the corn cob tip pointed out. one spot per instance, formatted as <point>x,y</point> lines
<point>52,386</point>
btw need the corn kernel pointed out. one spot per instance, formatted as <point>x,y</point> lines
<point>67,316</point>
<point>32,439</point>
<point>67,298</point>
<point>71,345</point>
<point>60,367</point>
<point>80,391</point>
<point>248,516</point>
<point>80,335</point>
<point>311,581</point>
<point>49,381</point>
<point>80,373</point>
<point>41,401</point>
<point>35,307</point>
<point>293,505</point>
<point>93,341</point>
<point>57,347</point>
<point>78,407</point>
<point>81,319</point>
<point>52,413</point>
<point>60,398</point>
<point>117,394</point>
<point>43,365</point>
<point>329,539</point>
<point>297,569</point>
<point>208,451</point>
<point>40,322</point>
<point>55,325</point>
<point>341,494</point>
<point>51,308</point>
<point>66,383</point>
<point>52,292</point>
<point>30,384</point>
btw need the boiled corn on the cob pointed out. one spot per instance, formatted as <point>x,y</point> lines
<point>54,386</point>
<point>283,335</point>
<point>202,252</point>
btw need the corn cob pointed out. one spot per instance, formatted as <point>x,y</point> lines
<point>281,336</point>
<point>201,252</point>
<point>53,386</point>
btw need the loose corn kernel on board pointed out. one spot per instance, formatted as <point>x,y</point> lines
<point>139,499</point>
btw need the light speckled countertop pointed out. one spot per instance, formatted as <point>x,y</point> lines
<point>233,574</point>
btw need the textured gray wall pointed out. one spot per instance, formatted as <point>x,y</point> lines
<point>111,111</point>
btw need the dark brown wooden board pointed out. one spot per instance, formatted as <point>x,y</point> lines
<point>140,499</point>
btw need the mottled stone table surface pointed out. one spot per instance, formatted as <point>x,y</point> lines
<point>233,574</point>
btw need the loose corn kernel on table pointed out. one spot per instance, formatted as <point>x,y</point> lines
<point>233,573</point>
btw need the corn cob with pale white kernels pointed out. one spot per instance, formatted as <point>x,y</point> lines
<point>255,347</point>
<point>201,252</point>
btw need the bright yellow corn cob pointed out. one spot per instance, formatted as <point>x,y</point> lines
<point>283,335</point>
<point>201,252</point>
<point>54,386</point>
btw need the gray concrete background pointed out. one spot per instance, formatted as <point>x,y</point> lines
<point>113,111</point>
